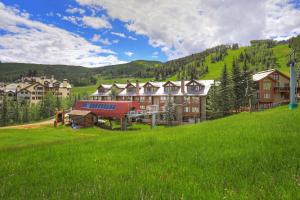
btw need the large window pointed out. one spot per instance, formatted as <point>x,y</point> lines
<point>194,88</point>
<point>186,109</point>
<point>267,96</point>
<point>267,85</point>
<point>195,109</point>
<point>150,89</point>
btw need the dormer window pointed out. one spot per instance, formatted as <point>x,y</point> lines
<point>194,87</point>
<point>130,89</point>
<point>170,87</point>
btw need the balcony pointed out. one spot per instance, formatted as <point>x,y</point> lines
<point>282,89</point>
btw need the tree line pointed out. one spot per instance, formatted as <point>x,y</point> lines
<point>21,111</point>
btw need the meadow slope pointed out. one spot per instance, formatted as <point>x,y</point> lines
<point>246,156</point>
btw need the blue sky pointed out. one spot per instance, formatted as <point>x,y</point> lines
<point>95,33</point>
<point>47,11</point>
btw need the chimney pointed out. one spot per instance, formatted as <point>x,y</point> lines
<point>182,86</point>
<point>52,79</point>
<point>137,87</point>
<point>65,83</point>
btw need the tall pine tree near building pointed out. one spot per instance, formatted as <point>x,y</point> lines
<point>225,93</point>
<point>237,86</point>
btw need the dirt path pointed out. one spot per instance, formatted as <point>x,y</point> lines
<point>29,126</point>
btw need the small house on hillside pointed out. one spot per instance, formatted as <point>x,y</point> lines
<point>82,118</point>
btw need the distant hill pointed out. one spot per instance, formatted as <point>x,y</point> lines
<point>78,75</point>
<point>138,68</point>
<point>11,71</point>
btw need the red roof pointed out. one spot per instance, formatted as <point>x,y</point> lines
<point>116,109</point>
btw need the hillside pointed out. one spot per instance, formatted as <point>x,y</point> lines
<point>246,156</point>
<point>9,72</point>
<point>79,76</point>
<point>138,68</point>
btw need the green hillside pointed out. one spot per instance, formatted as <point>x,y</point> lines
<point>138,68</point>
<point>246,156</point>
<point>11,71</point>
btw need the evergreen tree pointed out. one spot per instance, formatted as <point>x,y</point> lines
<point>237,83</point>
<point>4,111</point>
<point>225,93</point>
<point>213,102</point>
<point>26,113</point>
<point>170,111</point>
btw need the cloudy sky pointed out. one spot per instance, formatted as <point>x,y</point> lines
<point>96,33</point>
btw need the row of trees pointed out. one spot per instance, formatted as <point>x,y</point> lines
<point>234,91</point>
<point>21,111</point>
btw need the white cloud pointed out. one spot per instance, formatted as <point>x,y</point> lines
<point>115,41</point>
<point>131,38</point>
<point>129,53</point>
<point>72,19</point>
<point>72,10</point>
<point>122,35</point>
<point>181,27</point>
<point>96,22</point>
<point>28,41</point>
<point>97,38</point>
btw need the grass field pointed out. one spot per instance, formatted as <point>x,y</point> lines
<point>246,156</point>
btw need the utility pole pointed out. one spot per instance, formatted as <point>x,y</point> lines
<point>293,82</point>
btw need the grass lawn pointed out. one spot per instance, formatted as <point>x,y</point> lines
<point>246,156</point>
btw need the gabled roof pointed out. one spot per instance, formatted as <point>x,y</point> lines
<point>177,84</point>
<point>153,84</point>
<point>194,81</point>
<point>105,86</point>
<point>263,74</point>
<point>120,86</point>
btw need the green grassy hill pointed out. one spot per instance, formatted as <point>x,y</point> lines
<point>279,57</point>
<point>246,156</point>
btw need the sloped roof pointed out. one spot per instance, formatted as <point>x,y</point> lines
<point>263,74</point>
<point>80,112</point>
<point>161,91</point>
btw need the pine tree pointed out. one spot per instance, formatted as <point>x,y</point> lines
<point>4,111</point>
<point>170,111</point>
<point>237,83</point>
<point>225,93</point>
<point>213,102</point>
<point>26,113</point>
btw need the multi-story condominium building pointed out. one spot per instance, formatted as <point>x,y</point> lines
<point>188,97</point>
<point>273,87</point>
<point>33,89</point>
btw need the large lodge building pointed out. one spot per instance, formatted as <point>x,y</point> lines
<point>188,97</point>
<point>33,89</point>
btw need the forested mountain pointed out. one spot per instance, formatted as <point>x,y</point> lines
<point>79,76</point>
<point>138,68</point>
<point>260,55</point>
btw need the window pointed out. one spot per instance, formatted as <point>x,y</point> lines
<point>186,109</point>
<point>194,88</point>
<point>186,99</point>
<point>267,85</point>
<point>142,99</point>
<point>142,107</point>
<point>267,95</point>
<point>130,89</point>
<point>39,88</point>
<point>276,76</point>
<point>163,98</point>
<point>195,109</point>
<point>195,99</point>
<point>150,89</point>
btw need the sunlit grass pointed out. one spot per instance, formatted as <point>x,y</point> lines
<point>246,156</point>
